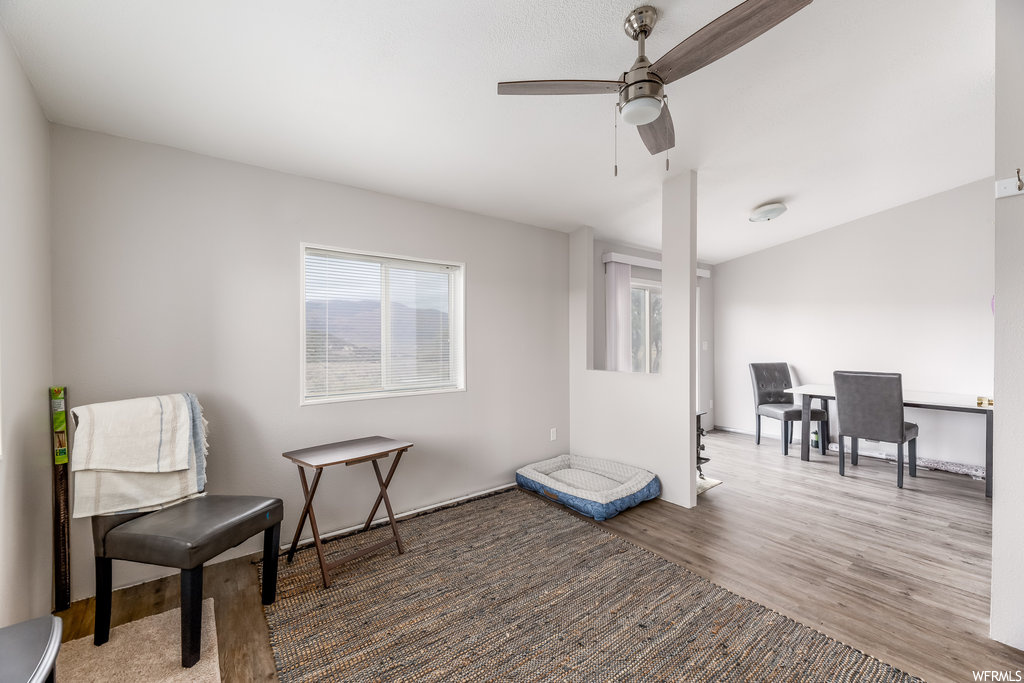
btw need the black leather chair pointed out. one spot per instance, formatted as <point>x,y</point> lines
<point>770,380</point>
<point>185,536</point>
<point>870,406</point>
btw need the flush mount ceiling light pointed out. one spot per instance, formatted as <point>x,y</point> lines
<point>767,212</point>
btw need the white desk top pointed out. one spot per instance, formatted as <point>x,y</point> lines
<point>348,452</point>
<point>911,397</point>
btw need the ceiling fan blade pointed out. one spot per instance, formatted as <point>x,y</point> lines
<point>732,30</point>
<point>558,87</point>
<point>659,134</point>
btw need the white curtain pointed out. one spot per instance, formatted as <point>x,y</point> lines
<point>617,316</point>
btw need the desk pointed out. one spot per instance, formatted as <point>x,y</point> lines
<point>930,400</point>
<point>347,453</point>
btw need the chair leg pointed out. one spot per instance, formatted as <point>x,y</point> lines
<point>822,435</point>
<point>757,430</point>
<point>899,465</point>
<point>842,457</point>
<point>101,629</point>
<point>825,424</point>
<point>191,615</point>
<point>791,430</point>
<point>854,446</point>
<point>785,437</point>
<point>913,457</point>
<point>271,549</point>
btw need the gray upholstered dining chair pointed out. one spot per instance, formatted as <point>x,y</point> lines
<point>870,406</point>
<point>770,381</point>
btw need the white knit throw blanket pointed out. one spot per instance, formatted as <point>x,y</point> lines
<point>136,455</point>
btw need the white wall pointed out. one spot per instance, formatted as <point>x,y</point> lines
<point>1008,480</point>
<point>179,272</point>
<point>706,346</point>
<point>906,290</point>
<point>25,348</point>
<point>643,419</point>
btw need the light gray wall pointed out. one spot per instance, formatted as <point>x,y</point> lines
<point>1008,481</point>
<point>906,290</point>
<point>706,346</point>
<point>602,247</point>
<point>178,272</point>
<point>639,418</point>
<point>25,347</point>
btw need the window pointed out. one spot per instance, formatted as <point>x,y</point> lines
<point>379,326</point>
<point>645,326</point>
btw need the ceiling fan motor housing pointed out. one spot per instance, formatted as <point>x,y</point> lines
<point>640,82</point>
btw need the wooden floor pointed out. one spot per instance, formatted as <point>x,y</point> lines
<point>901,575</point>
<point>242,638</point>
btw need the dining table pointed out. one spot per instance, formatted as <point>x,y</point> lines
<point>928,400</point>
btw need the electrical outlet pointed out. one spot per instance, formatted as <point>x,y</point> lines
<point>554,433</point>
<point>1008,187</point>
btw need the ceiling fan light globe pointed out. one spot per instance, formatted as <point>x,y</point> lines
<point>641,110</point>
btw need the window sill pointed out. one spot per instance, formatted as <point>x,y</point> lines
<point>378,394</point>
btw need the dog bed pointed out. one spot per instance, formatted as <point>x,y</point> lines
<point>591,486</point>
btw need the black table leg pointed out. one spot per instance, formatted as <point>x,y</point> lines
<point>826,437</point>
<point>805,428</point>
<point>988,454</point>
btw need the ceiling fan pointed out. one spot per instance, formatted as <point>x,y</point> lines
<point>641,90</point>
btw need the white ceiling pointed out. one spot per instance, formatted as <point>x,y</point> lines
<point>847,108</point>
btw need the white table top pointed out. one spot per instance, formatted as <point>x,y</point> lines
<point>911,397</point>
<point>348,452</point>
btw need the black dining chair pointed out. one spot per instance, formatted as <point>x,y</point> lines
<point>870,406</point>
<point>770,381</point>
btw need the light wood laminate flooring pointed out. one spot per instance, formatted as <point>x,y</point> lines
<point>901,575</point>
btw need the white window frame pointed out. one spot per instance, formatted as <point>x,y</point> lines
<point>457,308</point>
<point>647,286</point>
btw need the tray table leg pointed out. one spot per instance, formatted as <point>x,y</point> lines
<point>387,504</point>
<point>387,483</point>
<point>305,508</point>
<point>307,511</point>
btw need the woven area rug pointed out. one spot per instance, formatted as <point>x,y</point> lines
<point>511,588</point>
<point>143,651</point>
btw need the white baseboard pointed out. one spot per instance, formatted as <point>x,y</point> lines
<point>308,541</point>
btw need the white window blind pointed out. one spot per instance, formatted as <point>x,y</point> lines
<point>376,325</point>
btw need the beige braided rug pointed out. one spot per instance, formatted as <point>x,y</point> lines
<point>512,588</point>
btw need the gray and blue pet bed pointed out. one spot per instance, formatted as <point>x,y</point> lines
<point>591,486</point>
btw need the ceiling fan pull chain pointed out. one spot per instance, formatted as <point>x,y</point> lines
<point>615,134</point>
<point>664,103</point>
